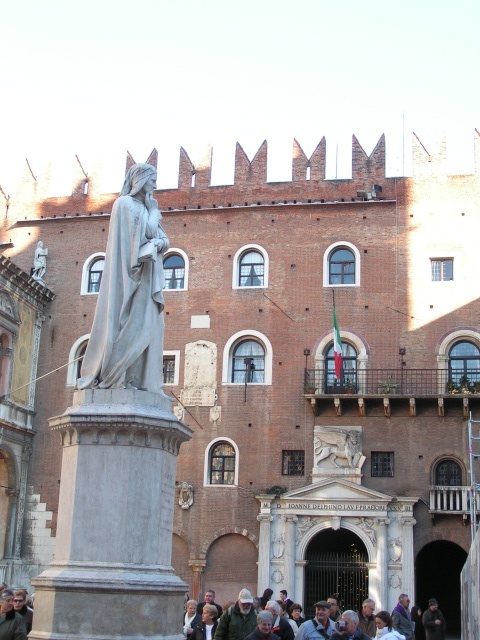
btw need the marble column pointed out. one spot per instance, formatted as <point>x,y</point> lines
<point>289,556</point>
<point>264,552</point>
<point>408,564</point>
<point>111,576</point>
<point>382,562</point>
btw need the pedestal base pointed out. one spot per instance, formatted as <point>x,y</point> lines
<point>111,577</point>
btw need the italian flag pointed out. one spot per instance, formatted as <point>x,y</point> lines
<point>337,347</point>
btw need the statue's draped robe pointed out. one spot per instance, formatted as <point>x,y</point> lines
<point>126,343</point>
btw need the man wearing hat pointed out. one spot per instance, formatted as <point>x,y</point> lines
<point>434,622</point>
<point>321,627</point>
<point>239,620</point>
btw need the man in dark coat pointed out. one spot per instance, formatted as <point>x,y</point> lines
<point>209,599</point>
<point>12,625</point>
<point>434,622</point>
<point>20,606</point>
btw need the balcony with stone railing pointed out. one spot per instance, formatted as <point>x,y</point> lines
<point>447,500</point>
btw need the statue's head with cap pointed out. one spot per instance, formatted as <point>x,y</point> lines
<point>136,177</point>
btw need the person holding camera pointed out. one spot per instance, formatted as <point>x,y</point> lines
<point>346,628</point>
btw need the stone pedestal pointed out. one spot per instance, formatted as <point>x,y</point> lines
<point>112,576</point>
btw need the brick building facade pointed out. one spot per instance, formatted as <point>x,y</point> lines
<point>295,471</point>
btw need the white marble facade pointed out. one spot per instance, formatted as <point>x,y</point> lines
<point>336,499</point>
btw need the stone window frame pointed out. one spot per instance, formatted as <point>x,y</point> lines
<point>175,356</point>
<point>444,346</point>
<point>87,265</point>
<point>208,450</point>
<point>74,352</point>
<point>236,266</point>
<point>179,252</point>
<point>448,458</point>
<point>232,342</point>
<point>326,264</point>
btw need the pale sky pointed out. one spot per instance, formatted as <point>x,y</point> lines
<point>98,77</point>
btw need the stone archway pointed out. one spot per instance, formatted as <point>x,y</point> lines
<point>437,572</point>
<point>337,565</point>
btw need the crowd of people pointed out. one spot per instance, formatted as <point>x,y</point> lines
<point>16,614</point>
<point>262,618</point>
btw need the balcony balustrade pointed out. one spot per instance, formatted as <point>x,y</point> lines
<point>406,382</point>
<point>453,500</point>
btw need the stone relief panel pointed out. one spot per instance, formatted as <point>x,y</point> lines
<point>304,524</point>
<point>277,576</point>
<point>340,448</point>
<point>395,540</point>
<point>366,524</point>
<point>200,374</point>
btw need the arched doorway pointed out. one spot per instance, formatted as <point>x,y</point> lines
<point>336,566</point>
<point>437,573</point>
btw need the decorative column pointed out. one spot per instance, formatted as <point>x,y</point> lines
<point>111,576</point>
<point>264,552</point>
<point>382,562</point>
<point>198,567</point>
<point>289,557</point>
<point>408,565</point>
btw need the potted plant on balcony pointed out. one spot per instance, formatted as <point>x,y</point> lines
<point>349,386</point>
<point>464,384</point>
<point>451,386</point>
<point>389,385</point>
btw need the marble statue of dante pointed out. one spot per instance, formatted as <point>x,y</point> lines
<point>125,349</point>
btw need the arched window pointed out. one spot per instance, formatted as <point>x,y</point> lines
<point>250,267</point>
<point>448,474</point>
<point>348,380</point>
<point>174,270</point>
<point>222,464</point>
<point>257,348</point>
<point>248,362</point>
<point>92,274</point>
<point>95,275</point>
<point>341,265</point>
<point>75,359</point>
<point>251,270</point>
<point>464,365</point>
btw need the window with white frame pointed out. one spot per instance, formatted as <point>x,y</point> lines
<point>92,272</point>
<point>248,362</point>
<point>171,367</point>
<point>175,269</point>
<point>250,267</point>
<point>75,359</point>
<point>221,463</point>
<point>247,358</point>
<point>341,265</point>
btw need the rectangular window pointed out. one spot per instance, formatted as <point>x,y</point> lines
<point>293,463</point>
<point>168,369</point>
<point>442,269</point>
<point>382,464</point>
